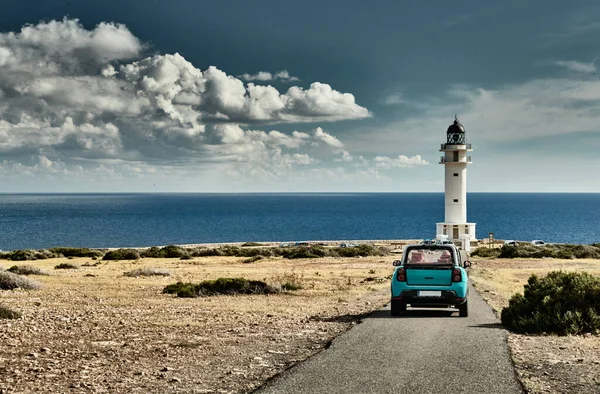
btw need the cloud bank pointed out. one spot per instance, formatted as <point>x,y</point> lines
<point>72,99</point>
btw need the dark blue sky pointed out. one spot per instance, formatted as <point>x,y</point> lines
<point>413,64</point>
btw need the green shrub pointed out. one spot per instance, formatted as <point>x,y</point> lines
<point>248,244</point>
<point>252,259</point>
<point>65,266</point>
<point>169,251</point>
<point>122,254</point>
<point>175,287</point>
<point>228,286</point>
<point>21,255</point>
<point>10,281</point>
<point>560,303</point>
<point>76,252</point>
<point>301,252</point>
<point>564,251</point>
<point>25,255</point>
<point>43,255</point>
<point>26,270</point>
<point>7,313</point>
<point>483,251</point>
<point>205,252</point>
<point>147,272</point>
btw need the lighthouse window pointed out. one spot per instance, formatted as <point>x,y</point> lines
<point>456,174</point>
<point>456,200</point>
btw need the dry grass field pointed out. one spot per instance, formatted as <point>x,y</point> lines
<point>92,329</point>
<point>545,364</point>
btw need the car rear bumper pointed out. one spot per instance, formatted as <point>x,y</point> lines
<point>447,298</point>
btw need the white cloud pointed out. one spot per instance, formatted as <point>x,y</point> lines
<point>260,76</point>
<point>577,66</point>
<point>401,161</point>
<point>264,76</point>
<point>330,140</point>
<point>74,97</point>
<point>285,75</point>
<point>394,99</point>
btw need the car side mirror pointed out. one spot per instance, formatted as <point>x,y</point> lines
<point>397,263</point>
<point>467,264</point>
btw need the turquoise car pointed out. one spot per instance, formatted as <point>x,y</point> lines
<point>430,276</point>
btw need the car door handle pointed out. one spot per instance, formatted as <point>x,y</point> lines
<point>429,277</point>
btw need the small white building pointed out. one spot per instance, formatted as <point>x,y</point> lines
<point>455,226</point>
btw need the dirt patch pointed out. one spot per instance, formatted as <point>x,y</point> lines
<point>110,333</point>
<point>545,364</point>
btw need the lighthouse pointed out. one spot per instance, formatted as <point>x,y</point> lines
<point>455,160</point>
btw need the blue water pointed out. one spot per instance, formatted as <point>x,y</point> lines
<point>111,220</point>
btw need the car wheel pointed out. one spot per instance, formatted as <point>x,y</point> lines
<point>463,310</point>
<point>397,308</point>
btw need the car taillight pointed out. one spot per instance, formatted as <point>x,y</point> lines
<point>456,275</point>
<point>401,275</point>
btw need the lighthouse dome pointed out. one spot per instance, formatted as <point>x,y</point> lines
<point>456,127</point>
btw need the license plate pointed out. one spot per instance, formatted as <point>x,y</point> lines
<point>429,293</point>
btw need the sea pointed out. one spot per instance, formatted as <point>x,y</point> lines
<point>36,221</point>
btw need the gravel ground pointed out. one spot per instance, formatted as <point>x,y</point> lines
<point>108,333</point>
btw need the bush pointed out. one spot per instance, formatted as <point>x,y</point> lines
<point>169,251</point>
<point>65,266</point>
<point>147,272</point>
<point>252,259</point>
<point>483,251</point>
<point>10,281</point>
<point>300,252</point>
<point>564,251</point>
<point>230,250</point>
<point>122,254</point>
<point>7,313</point>
<point>25,255</point>
<point>76,252</point>
<point>26,270</point>
<point>205,252</point>
<point>228,286</point>
<point>561,303</point>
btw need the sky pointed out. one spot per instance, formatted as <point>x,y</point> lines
<point>310,96</point>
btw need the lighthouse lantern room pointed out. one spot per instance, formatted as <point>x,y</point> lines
<point>455,159</point>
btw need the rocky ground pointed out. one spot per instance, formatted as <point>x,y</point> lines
<point>545,364</point>
<point>94,330</point>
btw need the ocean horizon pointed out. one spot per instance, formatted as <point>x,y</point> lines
<point>113,219</point>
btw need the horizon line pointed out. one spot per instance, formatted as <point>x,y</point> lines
<point>297,192</point>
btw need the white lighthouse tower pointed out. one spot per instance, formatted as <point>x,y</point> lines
<point>455,226</point>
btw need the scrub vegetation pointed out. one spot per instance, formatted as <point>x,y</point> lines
<point>563,303</point>
<point>26,270</point>
<point>566,251</point>
<point>228,286</point>
<point>248,250</point>
<point>10,281</point>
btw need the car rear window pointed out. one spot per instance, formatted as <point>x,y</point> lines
<point>429,256</point>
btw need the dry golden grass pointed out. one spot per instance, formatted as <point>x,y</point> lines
<point>112,333</point>
<point>545,364</point>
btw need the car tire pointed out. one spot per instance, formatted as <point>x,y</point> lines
<point>463,310</point>
<point>397,308</point>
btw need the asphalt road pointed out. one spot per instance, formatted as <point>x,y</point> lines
<point>431,351</point>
